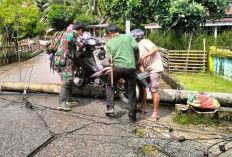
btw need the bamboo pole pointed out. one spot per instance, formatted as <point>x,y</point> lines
<point>112,71</point>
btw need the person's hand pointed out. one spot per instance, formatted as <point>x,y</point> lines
<point>62,83</point>
<point>80,44</point>
<point>138,61</point>
<point>141,59</point>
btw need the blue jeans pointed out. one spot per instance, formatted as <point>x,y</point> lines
<point>129,76</point>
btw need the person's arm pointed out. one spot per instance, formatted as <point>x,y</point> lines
<point>79,41</point>
<point>108,52</point>
<point>141,67</point>
<point>136,52</point>
<point>151,53</point>
<point>135,47</point>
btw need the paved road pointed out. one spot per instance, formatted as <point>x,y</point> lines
<point>36,69</point>
<point>86,131</point>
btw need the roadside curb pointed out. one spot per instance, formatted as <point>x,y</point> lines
<point>173,82</point>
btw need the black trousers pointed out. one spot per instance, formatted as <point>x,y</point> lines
<point>129,76</point>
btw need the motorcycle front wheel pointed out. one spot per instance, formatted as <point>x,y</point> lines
<point>122,93</point>
<point>79,77</point>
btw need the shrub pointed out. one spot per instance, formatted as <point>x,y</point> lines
<point>171,40</point>
<point>26,55</point>
<point>224,39</point>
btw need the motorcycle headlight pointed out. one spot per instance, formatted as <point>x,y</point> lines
<point>92,42</point>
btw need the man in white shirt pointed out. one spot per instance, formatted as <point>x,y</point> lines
<point>150,61</point>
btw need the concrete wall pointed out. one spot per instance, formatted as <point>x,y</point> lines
<point>223,67</point>
<point>220,62</point>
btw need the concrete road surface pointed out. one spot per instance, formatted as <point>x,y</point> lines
<point>36,69</point>
<point>85,131</point>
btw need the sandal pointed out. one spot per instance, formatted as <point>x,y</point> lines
<point>154,119</point>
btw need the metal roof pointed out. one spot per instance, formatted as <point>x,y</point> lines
<point>98,26</point>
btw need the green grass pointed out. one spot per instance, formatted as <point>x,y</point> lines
<point>204,82</point>
<point>190,119</point>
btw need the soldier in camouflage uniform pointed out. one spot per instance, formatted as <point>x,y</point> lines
<point>64,62</point>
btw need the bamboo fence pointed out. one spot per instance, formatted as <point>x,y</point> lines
<point>184,60</point>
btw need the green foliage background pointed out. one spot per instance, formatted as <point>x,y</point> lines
<point>86,20</point>
<point>173,40</point>
<point>15,15</point>
<point>60,16</point>
<point>189,14</point>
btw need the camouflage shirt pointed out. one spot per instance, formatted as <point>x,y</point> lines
<point>67,45</point>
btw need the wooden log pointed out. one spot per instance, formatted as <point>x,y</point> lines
<point>182,70</point>
<point>191,54</point>
<point>193,67</point>
<point>184,57</point>
<point>194,64</point>
<point>170,51</point>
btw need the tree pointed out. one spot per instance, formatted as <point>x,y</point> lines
<point>190,13</point>
<point>61,16</point>
<point>45,5</point>
<point>18,16</point>
<point>138,12</point>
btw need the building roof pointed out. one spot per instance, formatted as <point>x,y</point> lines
<point>152,26</point>
<point>98,26</point>
<point>229,11</point>
<point>219,22</point>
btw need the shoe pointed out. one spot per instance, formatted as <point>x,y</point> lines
<point>62,100</point>
<point>110,111</point>
<point>65,108</point>
<point>132,117</point>
<point>71,101</point>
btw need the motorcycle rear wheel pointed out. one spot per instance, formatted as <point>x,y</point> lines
<point>122,93</point>
<point>79,77</point>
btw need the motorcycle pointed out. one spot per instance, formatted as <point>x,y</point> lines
<point>100,52</point>
<point>88,72</point>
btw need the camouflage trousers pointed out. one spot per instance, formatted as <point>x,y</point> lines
<point>66,73</point>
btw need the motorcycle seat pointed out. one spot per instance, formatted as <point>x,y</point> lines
<point>105,63</point>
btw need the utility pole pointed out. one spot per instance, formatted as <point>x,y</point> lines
<point>17,43</point>
<point>127,26</point>
<point>93,8</point>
